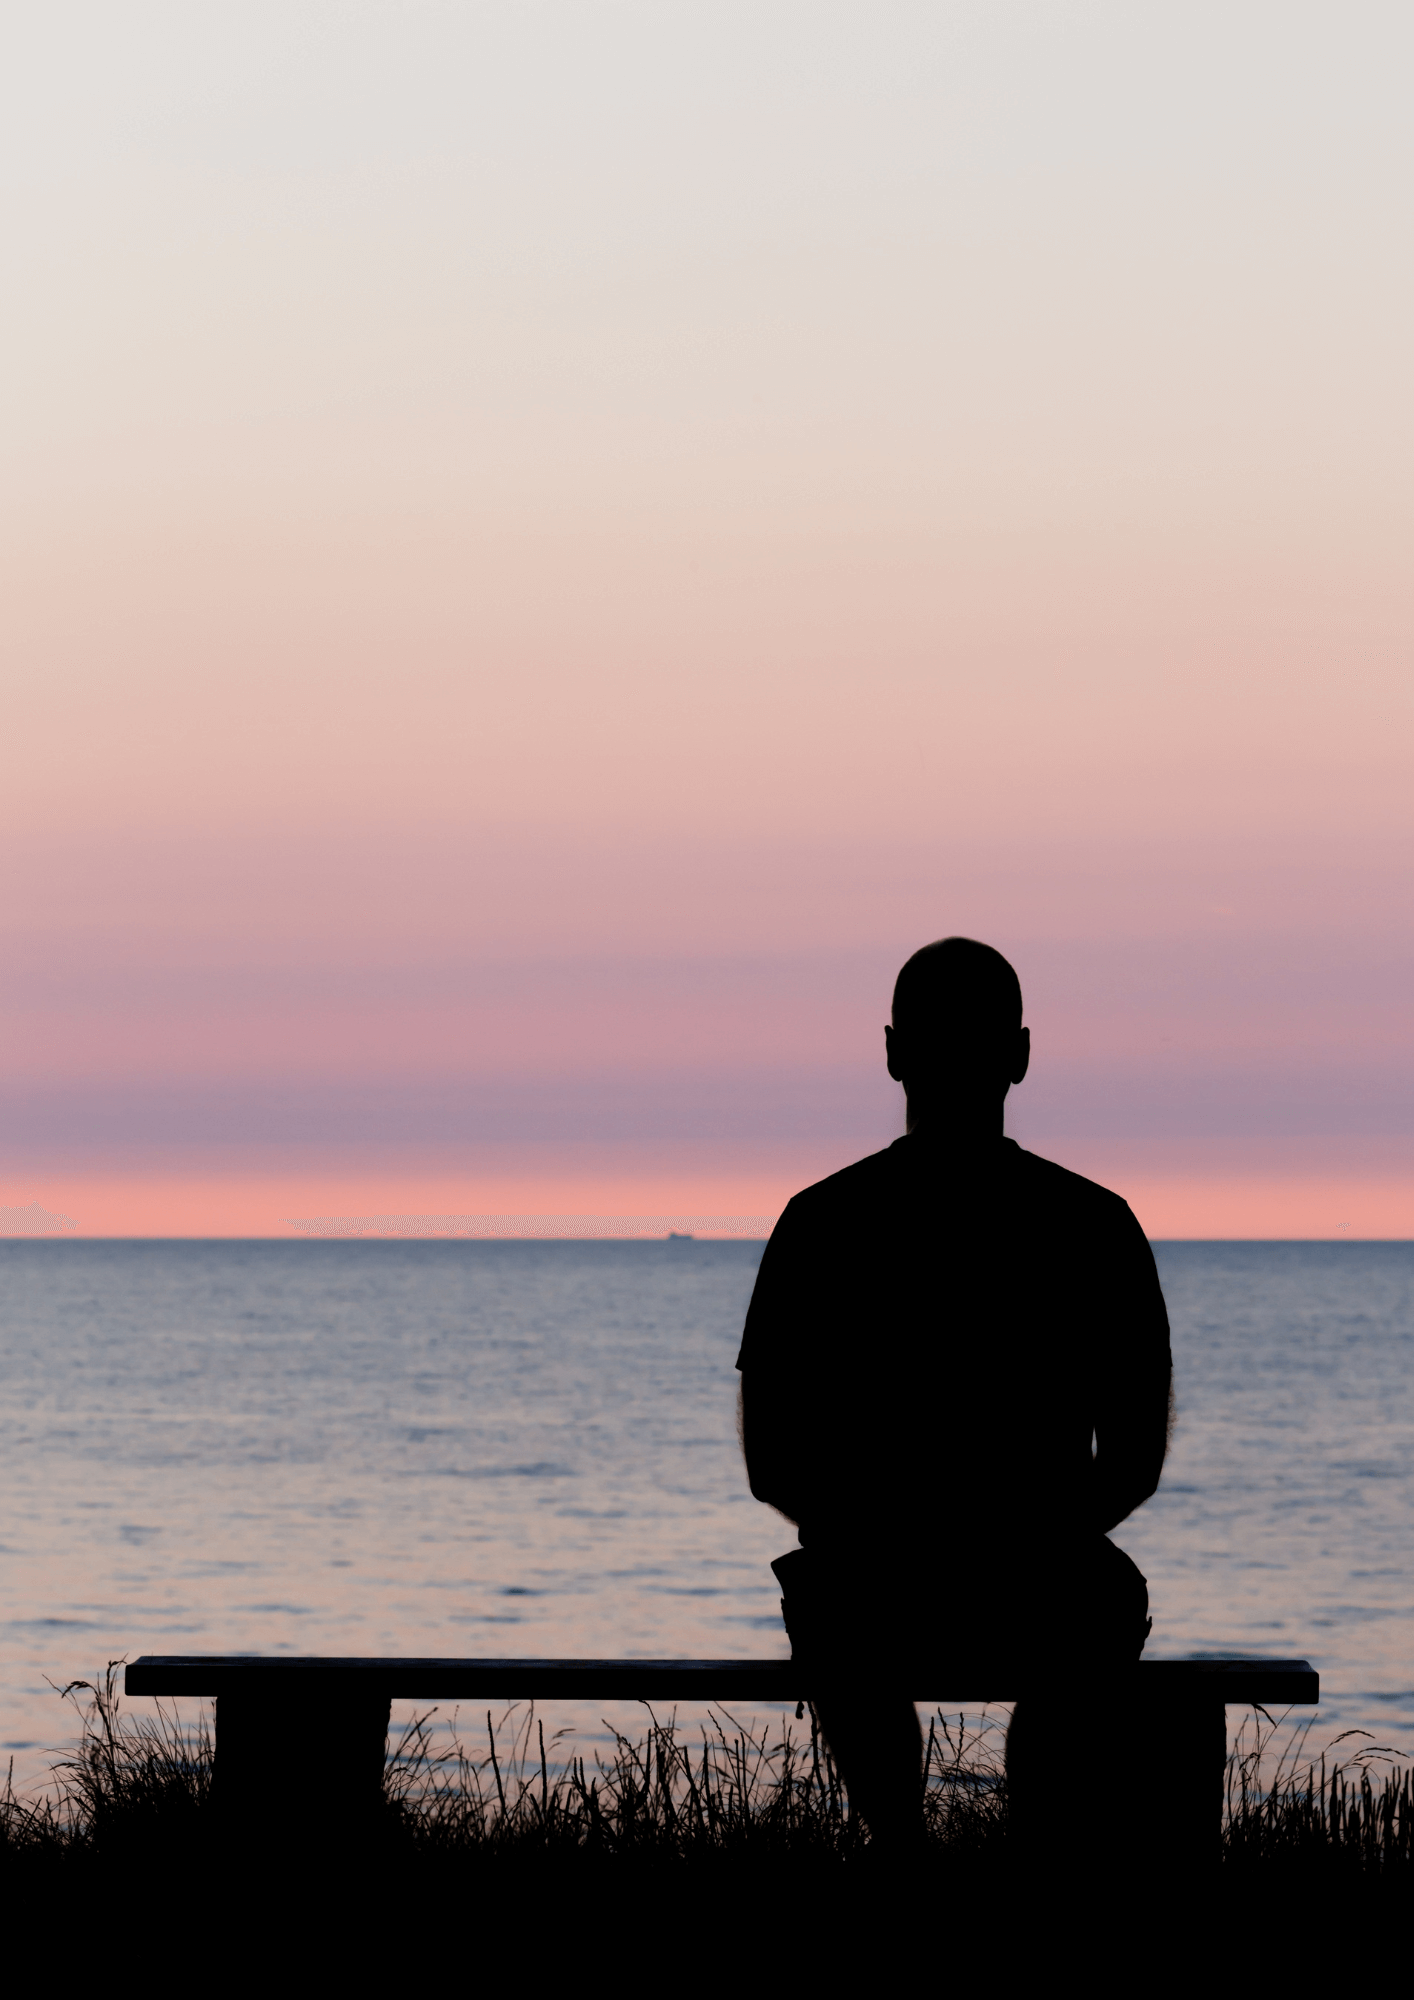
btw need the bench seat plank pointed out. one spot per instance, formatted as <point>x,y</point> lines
<point>1177,1682</point>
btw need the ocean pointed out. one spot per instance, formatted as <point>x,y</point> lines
<point>530,1447</point>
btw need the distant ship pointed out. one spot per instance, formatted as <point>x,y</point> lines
<point>679,1236</point>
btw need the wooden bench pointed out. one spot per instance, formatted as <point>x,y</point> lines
<point>349,1699</point>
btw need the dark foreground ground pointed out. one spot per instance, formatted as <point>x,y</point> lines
<point>683,1866</point>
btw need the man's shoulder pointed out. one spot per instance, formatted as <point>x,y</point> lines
<point>856,1186</point>
<point>1067,1192</point>
<point>877,1182</point>
<point>822,1233</point>
<point>1062,1183</point>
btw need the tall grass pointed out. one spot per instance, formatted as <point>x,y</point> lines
<point>1350,1806</point>
<point>730,1790</point>
<point>142,1785</point>
<point>132,1778</point>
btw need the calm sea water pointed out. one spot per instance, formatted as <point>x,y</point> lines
<point>438,1447</point>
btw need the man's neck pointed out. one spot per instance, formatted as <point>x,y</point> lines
<point>950,1130</point>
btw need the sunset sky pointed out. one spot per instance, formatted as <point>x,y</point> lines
<point>548,546</point>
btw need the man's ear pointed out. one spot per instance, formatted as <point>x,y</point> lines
<point>891,1054</point>
<point>1023,1055</point>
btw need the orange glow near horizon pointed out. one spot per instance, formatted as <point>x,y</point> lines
<point>1247,1200</point>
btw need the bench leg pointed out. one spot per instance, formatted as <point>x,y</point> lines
<point>1163,1770</point>
<point>277,1781</point>
<point>1191,1746</point>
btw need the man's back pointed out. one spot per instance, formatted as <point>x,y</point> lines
<point>956,1329</point>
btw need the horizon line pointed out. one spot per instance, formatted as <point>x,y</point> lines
<point>622,1233</point>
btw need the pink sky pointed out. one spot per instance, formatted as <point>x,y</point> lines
<point>546,549</point>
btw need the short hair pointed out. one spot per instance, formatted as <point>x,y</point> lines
<point>958,976</point>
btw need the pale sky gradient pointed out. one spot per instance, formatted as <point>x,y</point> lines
<point>547,546</point>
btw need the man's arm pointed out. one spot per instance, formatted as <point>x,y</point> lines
<point>770,1442</point>
<point>1131,1442</point>
<point>770,1419</point>
<point>1134,1401</point>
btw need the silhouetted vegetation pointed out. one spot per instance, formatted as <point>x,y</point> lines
<point>658,1833</point>
<point>148,1779</point>
<point>1350,1812</point>
<point>139,1780</point>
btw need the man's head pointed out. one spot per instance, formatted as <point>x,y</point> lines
<point>957,1044</point>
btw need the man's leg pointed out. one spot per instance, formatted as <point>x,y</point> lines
<point>877,1745</point>
<point>832,1608</point>
<point>1065,1777</point>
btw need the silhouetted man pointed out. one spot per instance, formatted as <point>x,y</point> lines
<point>955,1381</point>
